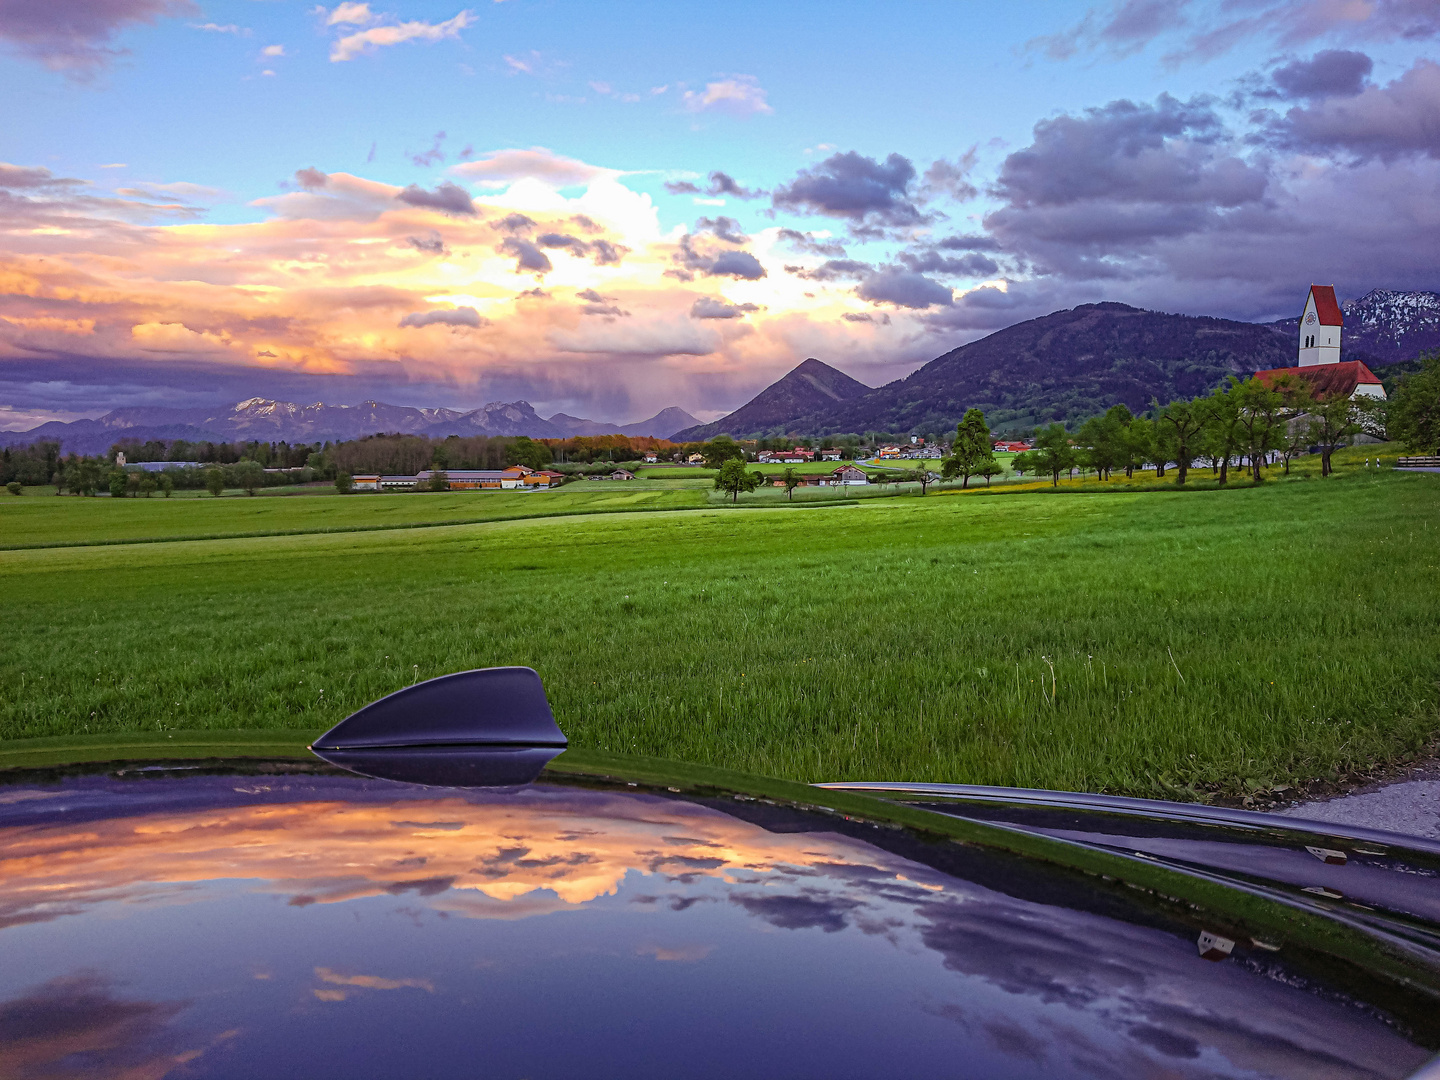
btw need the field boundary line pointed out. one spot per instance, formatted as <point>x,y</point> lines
<point>51,545</point>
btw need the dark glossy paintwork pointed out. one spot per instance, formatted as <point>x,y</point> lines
<point>632,918</point>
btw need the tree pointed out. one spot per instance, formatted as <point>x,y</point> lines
<point>526,451</point>
<point>249,475</point>
<point>167,485</point>
<point>1261,421</point>
<point>792,481</point>
<point>147,486</point>
<point>344,483</point>
<point>734,478</point>
<point>1334,421</point>
<point>1053,453</point>
<point>923,477</point>
<point>720,450</point>
<point>439,480</point>
<point>1180,431</point>
<point>214,481</point>
<point>118,483</point>
<point>13,487</point>
<point>1104,439</point>
<point>1293,435</point>
<point>1222,427</point>
<point>989,469</point>
<point>972,446</point>
<point>1138,445</point>
<point>1412,415</point>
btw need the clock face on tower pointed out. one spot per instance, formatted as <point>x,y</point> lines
<point>1309,319</point>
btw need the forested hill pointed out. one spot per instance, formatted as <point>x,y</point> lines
<point>810,387</point>
<point>1063,366</point>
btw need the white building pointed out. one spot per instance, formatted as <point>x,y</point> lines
<point>1320,326</point>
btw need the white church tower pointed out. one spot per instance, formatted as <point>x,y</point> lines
<point>1320,327</point>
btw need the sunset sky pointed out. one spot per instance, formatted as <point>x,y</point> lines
<point>607,209</point>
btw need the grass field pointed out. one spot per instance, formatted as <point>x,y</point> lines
<point>1198,641</point>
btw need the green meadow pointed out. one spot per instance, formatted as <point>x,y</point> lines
<point>1162,643</point>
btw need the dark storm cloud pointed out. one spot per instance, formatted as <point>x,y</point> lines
<point>859,189</point>
<point>681,187</point>
<point>527,255</point>
<point>904,289</point>
<point>1128,151</point>
<point>448,198</point>
<point>562,240</point>
<point>929,260</point>
<point>1332,73</point>
<point>725,228</point>
<point>75,36</point>
<point>951,179</point>
<point>967,243</point>
<point>737,264</point>
<point>591,296</point>
<point>460,316</point>
<point>1385,123</point>
<point>707,307</point>
<point>310,179</point>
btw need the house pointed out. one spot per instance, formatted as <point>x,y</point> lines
<point>849,475</point>
<point>1011,447</point>
<point>622,474</point>
<point>888,452</point>
<point>695,459</point>
<point>1319,353</point>
<point>829,455</point>
<point>651,457</point>
<point>543,480</point>
<point>399,483</point>
<point>366,482</point>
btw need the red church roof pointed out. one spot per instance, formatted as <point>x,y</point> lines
<point>1326,379</point>
<point>1325,305</point>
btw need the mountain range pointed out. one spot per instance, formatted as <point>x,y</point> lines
<point>1063,366</point>
<point>276,421</point>
<point>1071,364</point>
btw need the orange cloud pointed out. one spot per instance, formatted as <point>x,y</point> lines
<point>342,275</point>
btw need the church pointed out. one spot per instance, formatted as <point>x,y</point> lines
<point>1318,360</point>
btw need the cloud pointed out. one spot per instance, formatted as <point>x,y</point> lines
<point>448,198</point>
<point>429,157</point>
<point>16,177</point>
<point>372,982</point>
<point>724,184</point>
<point>460,316</point>
<point>602,252</point>
<point>75,36</point>
<point>737,264</point>
<point>833,270</point>
<point>528,257</point>
<point>273,50</point>
<point>740,95</point>
<point>499,168</point>
<point>367,41</point>
<point>928,259</point>
<point>216,28</point>
<point>809,244</point>
<point>1332,73</point>
<point>349,14</point>
<point>311,179</point>
<point>707,307</point>
<point>904,289</point>
<point>951,179</point>
<point>854,187</point>
<point>1124,29</point>
<point>723,228</point>
<point>1397,120</point>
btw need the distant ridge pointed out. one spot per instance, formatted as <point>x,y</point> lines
<point>660,426</point>
<point>276,421</point>
<point>808,388</point>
